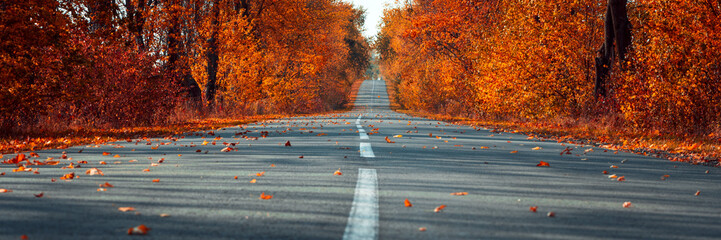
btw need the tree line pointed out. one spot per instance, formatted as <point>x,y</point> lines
<point>646,65</point>
<point>109,63</point>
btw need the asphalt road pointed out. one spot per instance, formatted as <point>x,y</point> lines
<point>198,191</point>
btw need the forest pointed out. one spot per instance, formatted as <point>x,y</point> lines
<point>73,64</point>
<point>538,62</point>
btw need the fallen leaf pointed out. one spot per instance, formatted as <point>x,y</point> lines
<point>514,151</point>
<point>253,180</point>
<point>103,163</point>
<point>536,148</point>
<point>226,149</point>
<point>398,136</point>
<point>106,184</point>
<point>3,190</point>
<point>272,165</point>
<point>605,172</point>
<point>116,156</point>
<point>697,193</point>
<point>94,171</point>
<point>543,164</point>
<point>101,190</point>
<point>338,172</point>
<point>459,193</point>
<point>24,237</point>
<point>439,208</point>
<point>156,180</point>
<point>235,177</point>
<point>627,204</point>
<point>162,215</point>
<point>422,229</point>
<point>260,174</point>
<point>39,195</point>
<point>408,203</point>
<point>265,197</point>
<point>533,208</point>
<point>126,209</point>
<point>68,176</point>
<point>106,153</point>
<point>621,179</point>
<point>139,230</point>
<point>612,176</point>
<point>551,214</point>
<point>614,166</point>
<point>287,144</point>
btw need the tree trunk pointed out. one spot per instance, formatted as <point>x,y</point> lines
<point>212,56</point>
<point>136,20</point>
<point>101,15</point>
<point>617,39</point>
<point>175,67</point>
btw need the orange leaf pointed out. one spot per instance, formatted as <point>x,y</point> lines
<point>156,180</point>
<point>389,140</point>
<point>126,209</point>
<point>2,190</point>
<point>459,193</point>
<point>106,153</point>
<point>536,148</point>
<point>551,214</point>
<point>116,156</point>
<point>103,163</point>
<point>422,229</point>
<point>265,197</point>
<point>338,172</point>
<point>235,177</point>
<point>408,203</point>
<point>439,208</point>
<point>627,204</point>
<point>697,193</point>
<point>514,151</point>
<point>260,174</point>
<point>39,195</point>
<point>272,165</point>
<point>139,230</point>
<point>102,190</point>
<point>146,170</point>
<point>533,208</point>
<point>68,176</point>
<point>543,164</point>
<point>253,180</point>
<point>621,179</point>
<point>106,184</point>
<point>24,237</point>
<point>94,171</point>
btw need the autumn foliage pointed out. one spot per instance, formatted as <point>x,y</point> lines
<point>530,60</point>
<point>95,63</point>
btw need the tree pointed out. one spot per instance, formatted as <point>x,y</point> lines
<point>617,38</point>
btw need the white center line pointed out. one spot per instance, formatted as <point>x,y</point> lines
<point>365,148</point>
<point>366,151</point>
<point>363,219</point>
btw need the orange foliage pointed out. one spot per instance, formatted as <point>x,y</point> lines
<point>534,60</point>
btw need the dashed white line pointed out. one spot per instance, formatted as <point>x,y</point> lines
<point>366,151</point>
<point>363,219</point>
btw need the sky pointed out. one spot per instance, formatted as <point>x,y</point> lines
<point>374,13</point>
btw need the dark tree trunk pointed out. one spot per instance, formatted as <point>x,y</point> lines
<point>176,67</point>
<point>617,39</point>
<point>212,55</point>
<point>136,20</point>
<point>101,16</point>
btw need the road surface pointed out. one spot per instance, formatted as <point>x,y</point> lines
<point>197,195</point>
